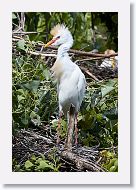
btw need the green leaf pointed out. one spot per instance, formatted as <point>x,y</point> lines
<point>111,82</point>
<point>21,44</point>
<point>33,157</point>
<point>21,91</point>
<point>46,74</point>
<point>20,98</point>
<point>113,169</point>
<point>33,115</point>
<point>106,89</point>
<point>116,163</point>
<point>32,85</point>
<point>28,164</point>
<point>25,118</point>
<point>39,160</point>
<point>44,164</point>
<point>111,163</point>
<point>17,167</point>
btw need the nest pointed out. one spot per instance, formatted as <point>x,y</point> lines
<point>41,140</point>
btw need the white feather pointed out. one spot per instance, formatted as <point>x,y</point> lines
<point>70,79</point>
<point>71,86</point>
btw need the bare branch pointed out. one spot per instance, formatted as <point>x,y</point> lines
<point>89,54</point>
<point>42,54</point>
<point>24,33</point>
<point>89,73</point>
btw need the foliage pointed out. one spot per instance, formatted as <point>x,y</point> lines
<point>91,30</point>
<point>99,118</point>
<point>109,161</point>
<point>38,164</point>
<point>34,95</point>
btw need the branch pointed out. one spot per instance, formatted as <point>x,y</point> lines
<point>89,73</point>
<point>79,157</point>
<point>89,54</point>
<point>47,140</point>
<point>24,33</point>
<point>94,56</point>
<point>81,163</point>
<point>42,54</point>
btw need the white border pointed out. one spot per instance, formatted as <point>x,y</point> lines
<point>9,177</point>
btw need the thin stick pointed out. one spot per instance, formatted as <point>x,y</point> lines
<point>47,140</point>
<point>25,33</point>
<point>89,73</point>
<point>42,54</point>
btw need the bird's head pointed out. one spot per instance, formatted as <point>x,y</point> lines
<point>61,35</point>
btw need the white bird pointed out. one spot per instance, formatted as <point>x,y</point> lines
<point>71,81</point>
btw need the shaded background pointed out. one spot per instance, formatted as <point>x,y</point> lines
<point>90,30</point>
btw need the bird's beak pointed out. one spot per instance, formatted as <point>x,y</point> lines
<point>50,42</point>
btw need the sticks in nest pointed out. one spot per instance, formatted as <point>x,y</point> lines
<point>76,159</point>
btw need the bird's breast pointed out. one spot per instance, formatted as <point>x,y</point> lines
<point>69,89</point>
<point>57,69</point>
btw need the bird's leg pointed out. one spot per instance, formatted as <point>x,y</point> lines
<point>58,128</point>
<point>68,144</point>
<point>76,129</point>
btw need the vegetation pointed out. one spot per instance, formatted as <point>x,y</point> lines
<point>34,92</point>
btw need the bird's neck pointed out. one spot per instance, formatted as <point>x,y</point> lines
<point>63,49</point>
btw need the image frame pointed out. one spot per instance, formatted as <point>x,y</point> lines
<point>123,175</point>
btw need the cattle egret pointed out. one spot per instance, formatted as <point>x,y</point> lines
<point>70,79</point>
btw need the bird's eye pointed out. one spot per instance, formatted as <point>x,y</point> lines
<point>58,37</point>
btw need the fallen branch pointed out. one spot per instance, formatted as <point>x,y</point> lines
<point>81,163</point>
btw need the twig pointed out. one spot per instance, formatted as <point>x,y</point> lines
<point>89,54</point>
<point>17,37</point>
<point>42,54</point>
<point>89,73</point>
<point>89,59</point>
<point>25,33</point>
<point>35,151</point>
<point>48,141</point>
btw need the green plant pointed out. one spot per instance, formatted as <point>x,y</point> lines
<point>90,29</point>
<point>109,161</point>
<point>99,114</point>
<point>38,164</point>
<point>34,96</point>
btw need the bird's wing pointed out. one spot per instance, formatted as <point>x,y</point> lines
<point>81,88</point>
<point>78,81</point>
